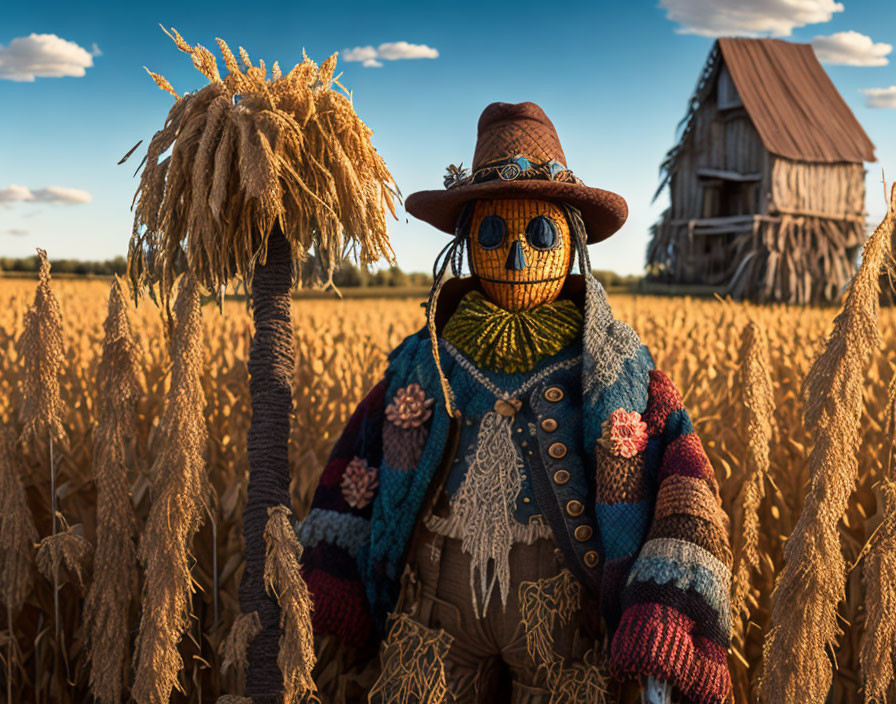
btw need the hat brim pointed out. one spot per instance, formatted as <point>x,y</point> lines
<point>603,212</point>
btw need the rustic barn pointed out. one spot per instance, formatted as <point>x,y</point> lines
<point>767,182</point>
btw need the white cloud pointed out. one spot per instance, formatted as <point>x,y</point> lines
<point>44,56</point>
<point>372,57</point>
<point>17,232</point>
<point>50,194</point>
<point>880,97</point>
<point>402,50</point>
<point>719,18</point>
<point>851,49</point>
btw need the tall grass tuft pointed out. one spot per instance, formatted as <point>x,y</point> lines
<point>797,653</point>
<point>17,538</point>
<point>283,580</point>
<point>181,490</point>
<point>758,419</point>
<point>111,594</point>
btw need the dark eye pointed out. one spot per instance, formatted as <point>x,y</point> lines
<point>541,233</point>
<point>491,232</point>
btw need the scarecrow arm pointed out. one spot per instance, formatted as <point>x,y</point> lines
<point>333,531</point>
<point>675,623</point>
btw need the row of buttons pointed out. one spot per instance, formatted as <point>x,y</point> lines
<point>561,476</point>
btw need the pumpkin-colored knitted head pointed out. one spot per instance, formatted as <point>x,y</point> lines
<point>520,250</point>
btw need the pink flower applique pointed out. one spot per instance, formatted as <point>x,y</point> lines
<point>409,408</point>
<point>358,483</point>
<point>624,433</point>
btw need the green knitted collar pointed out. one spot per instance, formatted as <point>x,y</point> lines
<point>505,341</point>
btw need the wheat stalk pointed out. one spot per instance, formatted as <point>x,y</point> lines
<point>181,489</point>
<point>758,417</point>
<point>797,652</point>
<point>115,565</point>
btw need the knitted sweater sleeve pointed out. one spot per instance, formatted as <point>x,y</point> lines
<point>333,531</point>
<point>676,621</point>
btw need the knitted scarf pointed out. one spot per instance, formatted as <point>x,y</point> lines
<point>511,341</point>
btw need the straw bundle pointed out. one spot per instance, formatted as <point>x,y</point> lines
<point>248,151</point>
<point>115,565</point>
<point>283,579</point>
<point>796,659</point>
<point>181,490</point>
<point>758,412</point>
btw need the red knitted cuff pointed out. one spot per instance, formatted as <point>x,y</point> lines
<point>339,607</point>
<point>658,641</point>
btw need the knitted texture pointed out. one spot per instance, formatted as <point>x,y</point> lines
<point>663,578</point>
<point>676,622</point>
<point>505,341</point>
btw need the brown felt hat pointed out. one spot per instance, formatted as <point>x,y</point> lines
<point>518,155</point>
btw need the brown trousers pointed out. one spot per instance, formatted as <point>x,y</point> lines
<point>439,651</point>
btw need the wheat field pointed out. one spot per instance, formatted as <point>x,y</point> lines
<point>341,348</point>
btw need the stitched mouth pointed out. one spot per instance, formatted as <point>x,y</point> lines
<point>521,282</point>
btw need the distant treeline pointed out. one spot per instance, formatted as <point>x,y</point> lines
<point>347,276</point>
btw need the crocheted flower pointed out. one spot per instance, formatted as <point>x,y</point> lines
<point>410,408</point>
<point>624,433</point>
<point>358,483</point>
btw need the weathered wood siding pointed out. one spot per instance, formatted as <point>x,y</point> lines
<point>836,190</point>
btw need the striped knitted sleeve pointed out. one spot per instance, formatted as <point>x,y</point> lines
<point>676,619</point>
<point>333,531</point>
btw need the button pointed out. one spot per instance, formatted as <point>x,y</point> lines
<point>557,450</point>
<point>549,425</point>
<point>574,508</point>
<point>591,557</point>
<point>561,476</point>
<point>554,393</point>
<point>583,533</point>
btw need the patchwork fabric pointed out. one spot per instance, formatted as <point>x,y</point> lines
<point>676,622</point>
<point>402,447</point>
<point>619,478</point>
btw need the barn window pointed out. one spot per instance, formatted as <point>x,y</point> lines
<point>728,96</point>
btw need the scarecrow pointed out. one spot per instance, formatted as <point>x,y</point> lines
<point>520,510</point>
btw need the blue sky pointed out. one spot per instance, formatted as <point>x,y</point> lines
<point>613,77</point>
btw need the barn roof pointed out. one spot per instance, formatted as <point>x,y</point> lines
<point>793,102</point>
<point>795,107</point>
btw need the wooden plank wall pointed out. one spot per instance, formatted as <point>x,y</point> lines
<point>827,189</point>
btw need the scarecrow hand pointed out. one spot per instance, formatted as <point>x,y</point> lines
<point>656,692</point>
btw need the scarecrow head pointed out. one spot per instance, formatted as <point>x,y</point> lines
<point>520,211</point>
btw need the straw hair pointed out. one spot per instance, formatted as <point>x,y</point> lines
<point>758,414</point>
<point>17,532</point>
<point>291,151</point>
<point>796,655</point>
<point>41,350</point>
<point>115,564</point>
<point>181,491</point>
<point>283,580</point>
